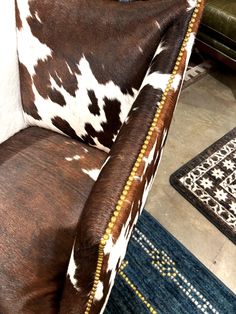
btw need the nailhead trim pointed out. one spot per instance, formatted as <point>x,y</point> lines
<point>133,173</point>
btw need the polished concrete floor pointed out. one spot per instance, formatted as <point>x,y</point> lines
<point>205,112</point>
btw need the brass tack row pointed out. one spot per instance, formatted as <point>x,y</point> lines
<point>139,159</point>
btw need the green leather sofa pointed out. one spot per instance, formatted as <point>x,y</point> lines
<point>217,33</point>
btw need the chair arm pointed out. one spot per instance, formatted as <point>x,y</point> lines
<point>120,192</point>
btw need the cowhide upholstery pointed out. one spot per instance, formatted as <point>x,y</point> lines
<point>82,62</point>
<point>108,74</point>
<point>11,114</point>
<point>45,179</point>
<point>121,194</point>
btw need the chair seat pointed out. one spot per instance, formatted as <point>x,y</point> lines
<point>45,179</point>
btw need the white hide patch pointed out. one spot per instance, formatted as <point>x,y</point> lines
<point>176,82</point>
<point>116,253</point>
<point>76,157</point>
<point>72,269</point>
<point>191,4</point>
<point>30,49</point>
<point>140,49</point>
<point>99,292</point>
<point>157,24</point>
<point>189,47</point>
<point>161,47</point>
<point>37,17</point>
<point>92,173</point>
<point>148,160</point>
<point>11,113</point>
<point>76,112</point>
<point>159,81</point>
<point>152,158</point>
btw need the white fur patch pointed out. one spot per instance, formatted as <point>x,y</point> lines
<point>11,113</point>
<point>140,49</point>
<point>71,270</point>
<point>92,173</point>
<point>161,47</point>
<point>159,81</point>
<point>99,292</point>
<point>116,253</point>
<point>191,4</point>
<point>76,112</point>
<point>176,82</point>
<point>189,46</point>
<point>76,157</point>
<point>30,49</point>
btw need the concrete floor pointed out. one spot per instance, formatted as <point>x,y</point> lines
<point>205,112</point>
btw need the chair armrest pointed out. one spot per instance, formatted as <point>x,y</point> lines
<point>120,192</point>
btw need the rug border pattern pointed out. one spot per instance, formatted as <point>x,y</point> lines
<point>187,194</point>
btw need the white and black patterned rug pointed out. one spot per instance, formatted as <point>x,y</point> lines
<point>199,65</point>
<point>208,182</point>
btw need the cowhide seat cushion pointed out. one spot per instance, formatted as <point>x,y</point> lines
<point>45,179</point>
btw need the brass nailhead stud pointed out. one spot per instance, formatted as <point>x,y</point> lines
<point>106,237</point>
<point>155,119</point>
<point>116,214</point>
<point>110,225</point>
<point>125,193</point>
<point>103,242</point>
<point>113,219</point>
<point>108,231</point>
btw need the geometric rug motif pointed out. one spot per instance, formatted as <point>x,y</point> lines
<point>196,72</point>
<point>208,181</point>
<point>159,275</point>
<point>199,65</point>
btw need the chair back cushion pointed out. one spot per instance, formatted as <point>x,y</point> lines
<point>82,63</point>
<point>11,113</point>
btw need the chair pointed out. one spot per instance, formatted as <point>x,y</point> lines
<point>88,90</point>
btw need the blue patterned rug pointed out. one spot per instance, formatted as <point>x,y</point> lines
<point>159,275</point>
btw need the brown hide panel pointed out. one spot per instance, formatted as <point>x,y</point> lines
<point>43,187</point>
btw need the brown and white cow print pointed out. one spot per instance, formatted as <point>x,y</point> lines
<point>169,53</point>
<point>80,74</point>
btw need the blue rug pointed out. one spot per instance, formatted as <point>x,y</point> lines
<point>160,276</point>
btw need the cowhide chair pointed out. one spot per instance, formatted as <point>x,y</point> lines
<point>88,88</point>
